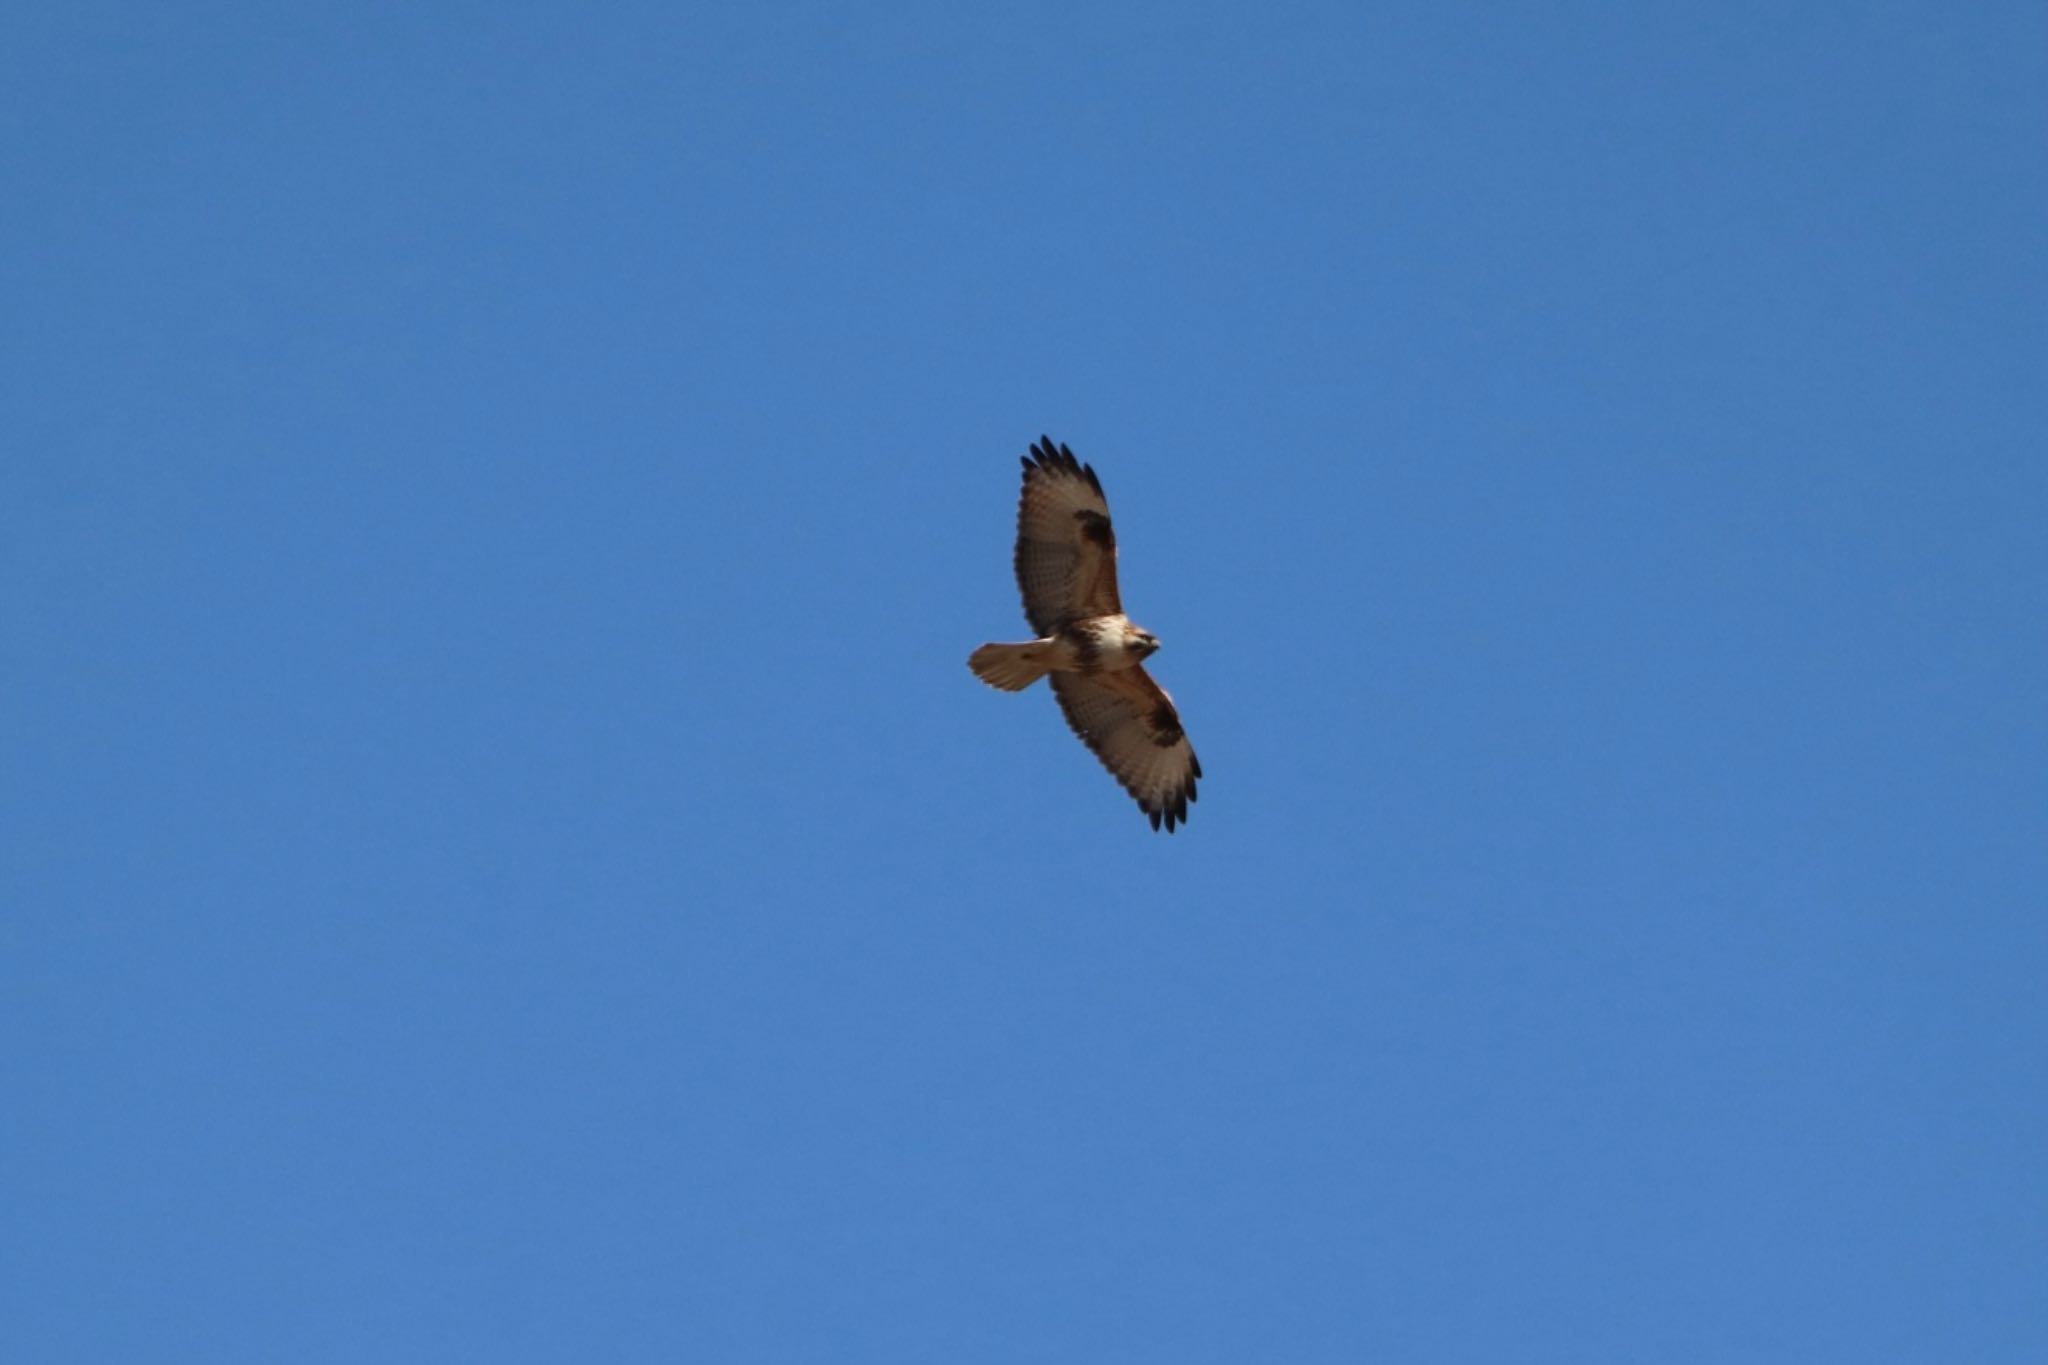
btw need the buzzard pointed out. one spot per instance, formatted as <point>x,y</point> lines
<point>1066,566</point>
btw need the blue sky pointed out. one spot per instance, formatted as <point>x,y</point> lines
<point>503,857</point>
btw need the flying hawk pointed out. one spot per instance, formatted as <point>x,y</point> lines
<point>1066,566</point>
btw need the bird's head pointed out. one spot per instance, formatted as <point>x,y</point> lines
<point>1142,642</point>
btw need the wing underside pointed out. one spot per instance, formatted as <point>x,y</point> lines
<point>1129,723</point>
<point>1066,546</point>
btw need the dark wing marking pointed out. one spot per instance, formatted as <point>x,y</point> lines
<point>1131,724</point>
<point>1066,547</point>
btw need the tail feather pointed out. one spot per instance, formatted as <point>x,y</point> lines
<point>1010,667</point>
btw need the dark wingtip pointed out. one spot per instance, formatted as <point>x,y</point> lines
<point>1056,457</point>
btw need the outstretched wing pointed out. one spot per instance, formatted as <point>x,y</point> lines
<point>1130,723</point>
<point>1066,550</point>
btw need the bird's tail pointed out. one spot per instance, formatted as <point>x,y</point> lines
<point>1011,667</point>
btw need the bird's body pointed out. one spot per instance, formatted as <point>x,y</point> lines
<point>1066,568</point>
<point>1095,644</point>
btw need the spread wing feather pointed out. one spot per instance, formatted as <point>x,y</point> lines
<point>1066,548</point>
<point>1131,724</point>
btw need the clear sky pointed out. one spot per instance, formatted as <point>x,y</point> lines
<point>502,858</point>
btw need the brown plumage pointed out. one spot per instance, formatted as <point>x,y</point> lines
<point>1066,570</point>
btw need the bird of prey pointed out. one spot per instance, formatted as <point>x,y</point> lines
<point>1066,567</point>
